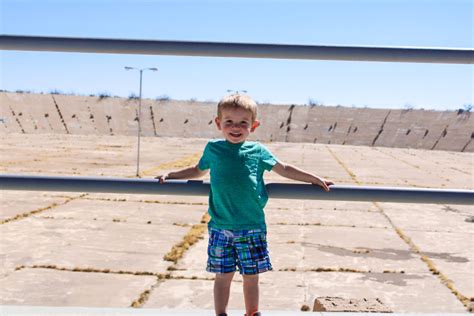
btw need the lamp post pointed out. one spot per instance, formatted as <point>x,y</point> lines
<point>236,91</point>
<point>139,111</point>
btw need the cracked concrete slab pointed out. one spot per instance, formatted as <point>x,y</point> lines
<point>131,233</point>
<point>15,204</point>
<point>434,218</point>
<point>47,287</point>
<point>451,253</point>
<point>403,293</point>
<point>359,249</point>
<point>84,244</point>
<point>191,294</point>
<point>347,218</point>
<point>124,211</point>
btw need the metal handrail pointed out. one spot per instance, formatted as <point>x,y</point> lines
<point>201,188</point>
<point>246,50</point>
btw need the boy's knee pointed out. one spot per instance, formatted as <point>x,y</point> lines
<point>224,277</point>
<point>250,278</point>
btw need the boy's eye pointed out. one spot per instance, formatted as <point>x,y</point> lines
<point>243,124</point>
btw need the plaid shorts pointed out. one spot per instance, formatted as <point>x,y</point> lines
<point>245,249</point>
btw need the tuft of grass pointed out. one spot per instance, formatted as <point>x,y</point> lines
<point>194,235</point>
<point>141,299</point>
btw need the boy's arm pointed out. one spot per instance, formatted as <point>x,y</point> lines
<point>186,173</point>
<point>294,173</point>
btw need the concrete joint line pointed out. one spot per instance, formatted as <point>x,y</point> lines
<point>145,295</point>
<point>17,120</point>
<point>160,276</point>
<point>326,225</point>
<point>429,263</point>
<point>179,163</point>
<point>345,270</point>
<point>40,210</point>
<point>95,270</point>
<point>444,280</point>
<point>152,118</point>
<point>468,143</point>
<point>194,234</point>
<point>26,162</point>
<point>60,114</point>
<point>380,129</point>
<point>443,134</point>
<point>145,201</point>
<point>409,164</point>
<point>343,165</point>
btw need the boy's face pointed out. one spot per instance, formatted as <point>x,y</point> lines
<point>236,124</point>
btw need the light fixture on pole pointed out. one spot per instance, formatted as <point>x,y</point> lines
<point>139,111</point>
<point>236,91</point>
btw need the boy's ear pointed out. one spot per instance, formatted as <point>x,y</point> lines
<point>255,124</point>
<point>218,123</point>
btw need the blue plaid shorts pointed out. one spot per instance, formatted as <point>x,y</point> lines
<point>242,249</point>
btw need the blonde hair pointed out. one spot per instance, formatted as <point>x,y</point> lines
<point>238,101</point>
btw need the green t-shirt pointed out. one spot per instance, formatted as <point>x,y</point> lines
<point>238,194</point>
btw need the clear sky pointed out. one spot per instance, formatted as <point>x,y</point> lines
<point>415,23</point>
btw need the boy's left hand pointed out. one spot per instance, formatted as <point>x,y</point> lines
<point>323,183</point>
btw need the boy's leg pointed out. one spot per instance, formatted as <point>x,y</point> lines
<point>253,259</point>
<point>222,291</point>
<point>250,293</point>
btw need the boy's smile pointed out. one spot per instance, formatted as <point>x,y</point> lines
<point>236,124</point>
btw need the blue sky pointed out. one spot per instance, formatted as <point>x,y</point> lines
<point>417,23</point>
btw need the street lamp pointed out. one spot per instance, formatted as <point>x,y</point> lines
<point>236,91</point>
<point>139,111</point>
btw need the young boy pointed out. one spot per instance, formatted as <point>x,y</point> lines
<point>237,230</point>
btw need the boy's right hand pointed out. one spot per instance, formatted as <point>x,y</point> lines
<point>162,178</point>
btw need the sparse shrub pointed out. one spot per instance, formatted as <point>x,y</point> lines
<point>103,95</point>
<point>163,97</point>
<point>408,107</point>
<point>313,102</point>
<point>133,96</point>
<point>466,109</point>
<point>55,91</point>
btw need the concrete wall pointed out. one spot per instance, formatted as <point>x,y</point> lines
<point>38,113</point>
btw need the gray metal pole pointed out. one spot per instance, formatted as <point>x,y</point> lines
<point>139,123</point>
<point>247,50</point>
<point>200,188</point>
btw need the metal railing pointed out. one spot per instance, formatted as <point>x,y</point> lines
<point>201,188</point>
<point>246,50</point>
